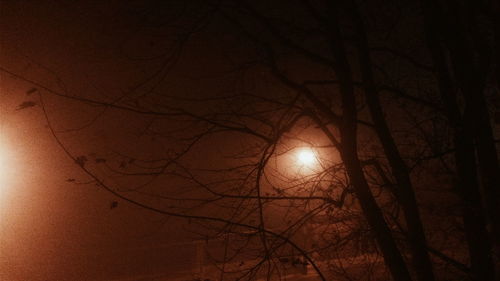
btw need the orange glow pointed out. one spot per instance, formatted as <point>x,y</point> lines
<point>306,157</point>
<point>6,168</point>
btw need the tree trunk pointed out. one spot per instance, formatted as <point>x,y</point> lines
<point>468,183</point>
<point>406,196</point>
<point>349,153</point>
<point>471,77</point>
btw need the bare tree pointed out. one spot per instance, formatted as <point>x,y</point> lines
<point>308,77</point>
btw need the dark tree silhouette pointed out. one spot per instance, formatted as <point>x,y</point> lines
<point>240,87</point>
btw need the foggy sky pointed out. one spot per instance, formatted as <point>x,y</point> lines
<point>52,229</point>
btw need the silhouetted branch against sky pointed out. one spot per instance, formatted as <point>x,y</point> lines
<point>337,140</point>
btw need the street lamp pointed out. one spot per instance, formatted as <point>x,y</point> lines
<point>306,157</point>
<point>4,158</point>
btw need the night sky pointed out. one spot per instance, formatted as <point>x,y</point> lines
<point>249,140</point>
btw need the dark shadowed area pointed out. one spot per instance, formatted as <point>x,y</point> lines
<point>249,140</point>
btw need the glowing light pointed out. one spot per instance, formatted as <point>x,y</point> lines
<point>5,157</point>
<point>3,163</point>
<point>306,157</point>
